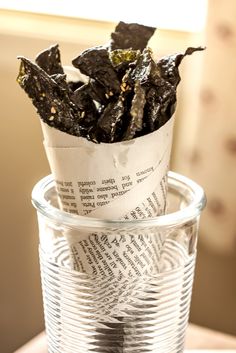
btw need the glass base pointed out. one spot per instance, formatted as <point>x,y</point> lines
<point>85,313</point>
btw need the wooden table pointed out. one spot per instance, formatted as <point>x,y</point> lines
<point>197,338</point>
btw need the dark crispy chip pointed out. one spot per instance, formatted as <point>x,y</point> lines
<point>145,69</point>
<point>50,60</point>
<point>160,94</point>
<point>52,101</point>
<point>168,66</point>
<point>96,64</point>
<point>73,86</point>
<point>131,35</point>
<point>109,120</point>
<point>126,95</point>
<point>97,92</point>
<point>85,103</point>
<point>136,112</point>
<point>160,105</point>
<point>60,79</point>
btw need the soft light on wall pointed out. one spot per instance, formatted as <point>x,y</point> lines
<point>183,15</point>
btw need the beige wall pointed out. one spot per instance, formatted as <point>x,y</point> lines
<point>22,164</point>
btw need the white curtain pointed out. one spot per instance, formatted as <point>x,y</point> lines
<point>206,137</point>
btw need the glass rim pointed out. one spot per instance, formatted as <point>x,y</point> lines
<point>176,182</point>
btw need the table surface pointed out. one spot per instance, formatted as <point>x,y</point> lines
<point>197,338</point>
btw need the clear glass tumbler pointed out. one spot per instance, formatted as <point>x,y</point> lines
<point>118,286</point>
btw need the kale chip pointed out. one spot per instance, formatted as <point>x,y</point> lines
<point>126,94</point>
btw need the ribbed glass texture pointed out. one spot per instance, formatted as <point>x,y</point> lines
<point>136,303</point>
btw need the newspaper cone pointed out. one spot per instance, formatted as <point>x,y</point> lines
<point>124,180</point>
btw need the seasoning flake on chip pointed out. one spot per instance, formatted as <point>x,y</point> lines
<point>123,56</point>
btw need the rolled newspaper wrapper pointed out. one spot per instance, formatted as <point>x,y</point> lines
<point>123,180</point>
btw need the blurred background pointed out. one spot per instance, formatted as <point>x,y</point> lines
<point>204,142</point>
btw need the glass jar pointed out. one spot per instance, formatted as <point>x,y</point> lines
<point>117,285</point>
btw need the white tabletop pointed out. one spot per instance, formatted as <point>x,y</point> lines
<point>198,340</point>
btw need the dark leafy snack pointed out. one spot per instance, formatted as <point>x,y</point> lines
<point>60,79</point>
<point>50,60</point>
<point>115,116</point>
<point>88,111</point>
<point>145,69</point>
<point>109,120</point>
<point>73,86</point>
<point>131,35</point>
<point>98,92</point>
<point>125,93</point>
<point>52,101</point>
<point>152,93</point>
<point>168,66</point>
<point>96,64</point>
<point>136,112</point>
<point>160,105</point>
